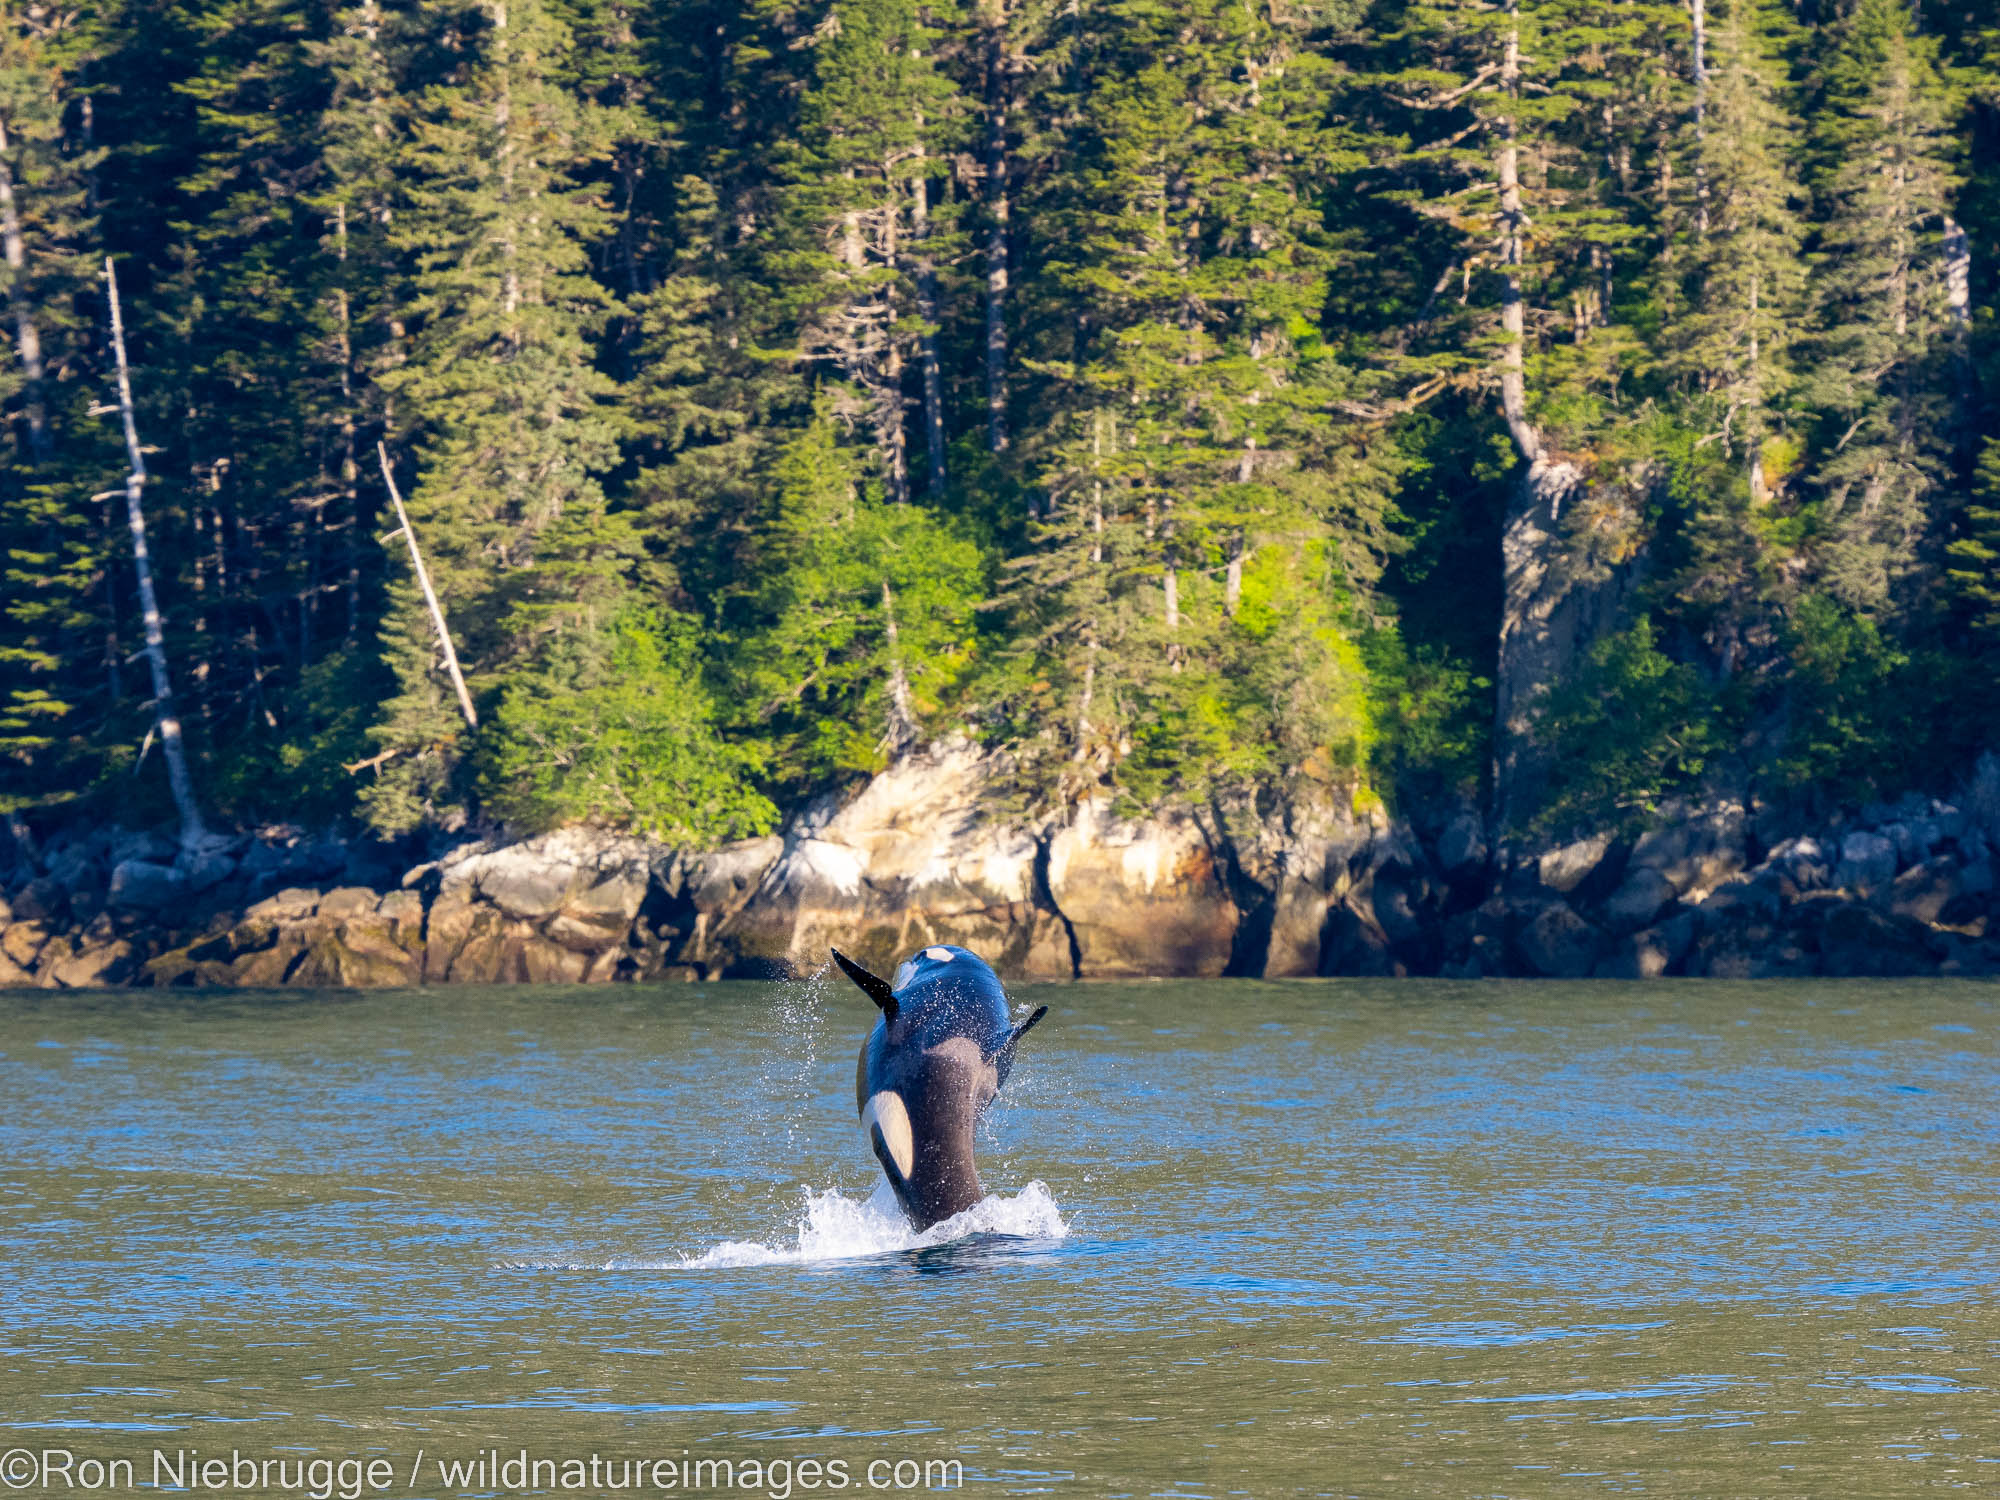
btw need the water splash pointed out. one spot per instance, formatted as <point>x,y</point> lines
<point>836,1227</point>
<point>791,1063</point>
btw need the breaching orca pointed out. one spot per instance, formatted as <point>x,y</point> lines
<point>933,1062</point>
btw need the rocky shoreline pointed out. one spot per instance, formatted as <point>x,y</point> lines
<point>1273,889</point>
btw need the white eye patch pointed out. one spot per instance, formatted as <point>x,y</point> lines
<point>941,955</point>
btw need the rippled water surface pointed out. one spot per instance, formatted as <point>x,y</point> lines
<point>1259,1239</point>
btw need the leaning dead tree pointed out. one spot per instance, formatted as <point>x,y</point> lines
<point>166,722</point>
<point>409,535</point>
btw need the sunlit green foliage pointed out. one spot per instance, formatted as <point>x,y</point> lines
<point>615,727</point>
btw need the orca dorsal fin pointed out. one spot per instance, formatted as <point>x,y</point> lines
<point>873,986</point>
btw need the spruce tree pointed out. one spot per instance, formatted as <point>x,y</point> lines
<point>857,226</point>
<point>1974,566</point>
<point>1741,260</point>
<point>500,392</point>
<point>64,712</point>
<point>1881,381</point>
<point>1194,438</point>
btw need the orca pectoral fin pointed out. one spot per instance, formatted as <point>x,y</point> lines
<point>1026,1026</point>
<point>873,986</point>
<point>1003,1055</point>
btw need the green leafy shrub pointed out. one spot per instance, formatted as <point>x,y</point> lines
<point>616,727</point>
<point>1634,727</point>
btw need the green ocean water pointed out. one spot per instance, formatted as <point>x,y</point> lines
<point>1331,1237</point>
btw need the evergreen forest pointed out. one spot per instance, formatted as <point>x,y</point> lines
<point>1567,404</point>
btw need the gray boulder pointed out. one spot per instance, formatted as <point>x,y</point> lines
<point>42,900</point>
<point>1643,896</point>
<point>1637,955</point>
<point>524,890</point>
<point>1696,852</point>
<point>1461,846</point>
<point>152,848</point>
<point>1566,868</point>
<point>1396,910</point>
<point>140,885</point>
<point>1923,891</point>
<point>1867,863</point>
<point>1804,862</point>
<point>1558,943</point>
<point>77,871</point>
<point>204,869</point>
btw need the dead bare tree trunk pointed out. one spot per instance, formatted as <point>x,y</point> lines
<point>1699,9</point>
<point>430,595</point>
<point>166,722</point>
<point>1246,470</point>
<point>27,337</point>
<point>927,309</point>
<point>889,406</point>
<point>1958,310</point>
<point>902,732</point>
<point>997,89</point>
<point>350,466</point>
<point>1537,622</point>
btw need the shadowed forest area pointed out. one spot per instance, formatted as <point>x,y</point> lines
<point>1571,404</point>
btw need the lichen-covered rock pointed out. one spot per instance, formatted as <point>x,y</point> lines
<point>1298,926</point>
<point>266,968</point>
<point>580,936</point>
<point>490,951</point>
<point>917,857</point>
<point>1854,939</point>
<point>286,905</point>
<point>1141,897</point>
<point>1807,863</point>
<point>204,869</point>
<point>544,962</point>
<point>446,928</point>
<point>58,950</point>
<point>151,847</point>
<point>80,870</point>
<point>600,916</point>
<point>1271,883</point>
<point>92,965</point>
<point>404,913</point>
<point>540,876</point>
<point>347,901</point>
<point>23,942</point>
<point>1355,944</point>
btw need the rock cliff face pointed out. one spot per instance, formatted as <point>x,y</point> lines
<point>1274,887</point>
